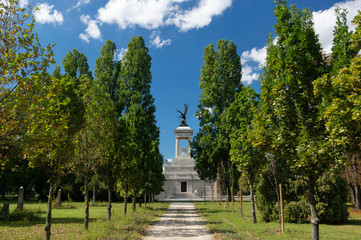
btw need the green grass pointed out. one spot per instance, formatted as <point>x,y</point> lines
<point>68,223</point>
<point>227,225</point>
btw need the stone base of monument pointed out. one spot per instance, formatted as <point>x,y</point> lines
<point>182,182</point>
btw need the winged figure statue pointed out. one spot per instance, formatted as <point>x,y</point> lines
<point>183,116</point>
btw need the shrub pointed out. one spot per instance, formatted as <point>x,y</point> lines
<point>331,196</point>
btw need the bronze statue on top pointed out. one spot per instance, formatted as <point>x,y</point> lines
<point>183,116</point>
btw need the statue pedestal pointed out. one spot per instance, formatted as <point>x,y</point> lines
<point>182,181</point>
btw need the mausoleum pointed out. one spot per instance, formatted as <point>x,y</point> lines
<point>181,180</point>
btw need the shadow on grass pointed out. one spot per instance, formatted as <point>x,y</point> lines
<point>41,220</point>
<point>356,222</point>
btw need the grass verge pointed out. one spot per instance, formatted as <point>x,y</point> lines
<point>227,225</point>
<point>68,223</point>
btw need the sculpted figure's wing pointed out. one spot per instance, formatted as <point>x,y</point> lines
<point>185,109</point>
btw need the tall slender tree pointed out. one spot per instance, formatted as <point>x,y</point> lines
<point>244,155</point>
<point>137,105</point>
<point>107,70</point>
<point>288,124</point>
<point>220,81</point>
<point>341,101</point>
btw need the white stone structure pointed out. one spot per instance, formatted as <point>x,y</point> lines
<point>181,180</point>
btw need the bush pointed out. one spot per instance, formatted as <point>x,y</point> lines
<point>24,215</point>
<point>331,197</point>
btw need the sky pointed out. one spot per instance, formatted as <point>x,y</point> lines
<point>176,33</point>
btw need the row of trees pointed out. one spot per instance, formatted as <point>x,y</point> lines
<point>100,128</point>
<point>303,127</point>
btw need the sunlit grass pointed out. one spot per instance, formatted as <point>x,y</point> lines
<point>68,223</point>
<point>227,225</point>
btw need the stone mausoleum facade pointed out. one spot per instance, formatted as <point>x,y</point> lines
<point>181,180</point>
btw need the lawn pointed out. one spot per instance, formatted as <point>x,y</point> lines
<point>227,225</point>
<point>68,223</point>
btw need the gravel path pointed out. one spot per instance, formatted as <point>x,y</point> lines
<point>180,222</point>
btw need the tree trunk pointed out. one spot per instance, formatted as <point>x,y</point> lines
<point>232,197</point>
<point>227,197</point>
<point>252,200</point>
<point>357,196</point>
<point>314,218</point>
<point>220,193</point>
<point>86,200</point>
<point>212,187</point>
<point>47,227</point>
<point>145,200</point>
<point>140,201</point>
<point>3,186</point>
<point>125,203</point>
<point>110,191</point>
<point>134,203</point>
<point>240,202</point>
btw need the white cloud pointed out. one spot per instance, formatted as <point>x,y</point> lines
<point>325,21</point>
<point>151,14</point>
<point>255,55</point>
<point>46,14</point>
<point>249,74</point>
<point>23,3</point>
<point>79,4</point>
<point>157,42</point>
<point>121,53</point>
<point>92,31</point>
<point>199,16</point>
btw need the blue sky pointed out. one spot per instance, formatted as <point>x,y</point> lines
<point>176,32</point>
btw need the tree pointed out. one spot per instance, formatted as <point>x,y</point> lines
<point>244,155</point>
<point>91,141</point>
<point>136,104</point>
<point>65,117</point>
<point>288,125</point>
<point>342,53</point>
<point>23,76</point>
<point>106,73</point>
<point>341,109</point>
<point>220,80</point>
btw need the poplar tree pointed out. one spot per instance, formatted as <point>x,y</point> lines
<point>220,80</point>
<point>107,70</point>
<point>340,92</point>
<point>137,105</point>
<point>289,125</point>
<point>244,155</point>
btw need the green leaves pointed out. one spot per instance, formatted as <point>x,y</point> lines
<point>25,84</point>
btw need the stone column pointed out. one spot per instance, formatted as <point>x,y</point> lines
<point>58,198</point>
<point>177,147</point>
<point>20,199</point>
<point>189,147</point>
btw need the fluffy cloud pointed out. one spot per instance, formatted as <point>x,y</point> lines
<point>325,21</point>
<point>255,55</point>
<point>46,14</point>
<point>92,31</point>
<point>148,14</point>
<point>157,42</point>
<point>199,16</point>
<point>121,53</point>
<point>151,14</point>
<point>23,3</point>
<point>249,74</point>
<point>79,4</point>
